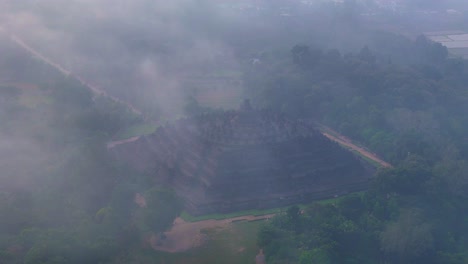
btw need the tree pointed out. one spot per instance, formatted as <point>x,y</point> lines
<point>162,207</point>
<point>366,55</point>
<point>315,256</point>
<point>409,178</point>
<point>408,238</point>
<point>278,242</point>
<point>294,216</point>
<point>430,51</point>
<point>305,57</point>
<point>192,107</point>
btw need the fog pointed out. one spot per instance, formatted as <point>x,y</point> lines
<point>144,51</point>
<point>138,50</point>
<point>121,119</point>
<point>155,55</point>
<point>152,54</point>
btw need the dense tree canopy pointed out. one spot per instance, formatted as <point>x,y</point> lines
<point>410,110</point>
<point>63,198</point>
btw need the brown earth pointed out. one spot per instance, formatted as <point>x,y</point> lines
<point>116,143</point>
<point>186,235</point>
<point>342,140</point>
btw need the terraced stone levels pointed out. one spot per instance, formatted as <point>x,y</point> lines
<point>247,159</point>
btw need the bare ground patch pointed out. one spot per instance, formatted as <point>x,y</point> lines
<point>187,235</point>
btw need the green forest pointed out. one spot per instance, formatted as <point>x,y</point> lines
<point>63,199</point>
<point>410,109</point>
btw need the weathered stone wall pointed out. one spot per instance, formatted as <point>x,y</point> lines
<point>238,160</point>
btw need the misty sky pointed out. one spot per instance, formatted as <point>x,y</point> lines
<point>143,47</point>
<point>142,50</point>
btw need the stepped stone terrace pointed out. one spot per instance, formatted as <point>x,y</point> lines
<point>247,159</point>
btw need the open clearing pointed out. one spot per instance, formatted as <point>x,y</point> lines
<point>186,235</point>
<point>233,243</point>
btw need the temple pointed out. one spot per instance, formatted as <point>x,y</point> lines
<point>246,159</point>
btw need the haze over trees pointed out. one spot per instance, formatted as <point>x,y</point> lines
<point>368,73</point>
<point>410,111</point>
<point>63,199</point>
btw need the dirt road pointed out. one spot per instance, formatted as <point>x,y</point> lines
<point>93,88</point>
<point>119,142</point>
<point>340,139</point>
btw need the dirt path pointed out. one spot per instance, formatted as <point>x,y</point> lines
<point>260,258</point>
<point>93,88</point>
<point>186,235</point>
<point>335,136</point>
<point>119,142</point>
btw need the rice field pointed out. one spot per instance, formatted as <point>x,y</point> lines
<point>455,41</point>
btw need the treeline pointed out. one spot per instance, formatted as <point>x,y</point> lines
<point>394,107</point>
<point>63,199</point>
<point>411,214</point>
<point>409,110</point>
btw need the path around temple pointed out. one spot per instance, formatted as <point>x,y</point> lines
<point>342,140</point>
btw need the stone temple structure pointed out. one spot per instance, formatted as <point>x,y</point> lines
<point>246,159</point>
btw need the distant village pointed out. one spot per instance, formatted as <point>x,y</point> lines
<point>455,39</point>
<point>371,5</point>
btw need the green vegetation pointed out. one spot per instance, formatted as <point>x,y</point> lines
<point>400,219</point>
<point>233,245</point>
<point>189,218</point>
<point>136,130</point>
<point>63,199</point>
<point>224,73</point>
<point>410,111</point>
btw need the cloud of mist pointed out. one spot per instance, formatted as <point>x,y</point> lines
<point>20,158</point>
<point>144,51</point>
<point>137,50</point>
